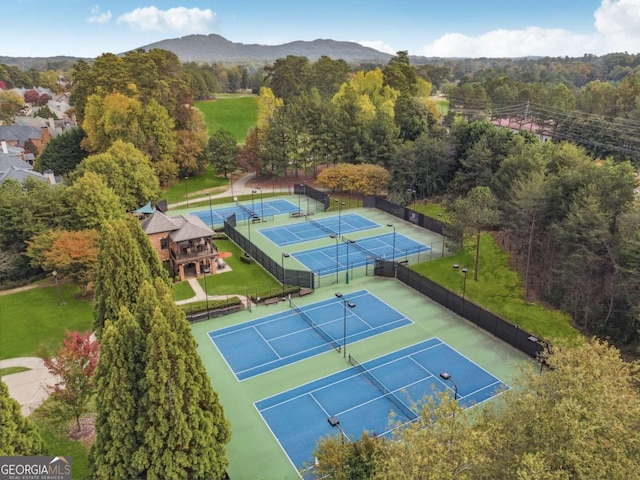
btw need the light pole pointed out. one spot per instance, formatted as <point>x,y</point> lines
<point>55,277</point>
<point>334,422</point>
<point>340,203</point>
<point>346,304</point>
<point>261,204</point>
<point>249,229</point>
<point>393,257</point>
<point>210,211</point>
<point>253,210</point>
<point>299,195</point>
<point>464,288</point>
<point>347,241</point>
<point>335,237</point>
<point>304,183</point>
<point>446,376</point>
<point>186,192</point>
<point>284,255</point>
<point>206,292</point>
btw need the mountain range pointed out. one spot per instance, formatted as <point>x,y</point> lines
<point>216,49</point>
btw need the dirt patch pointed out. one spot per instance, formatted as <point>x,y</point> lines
<point>224,254</point>
<point>87,431</point>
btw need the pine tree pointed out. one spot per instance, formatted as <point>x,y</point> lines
<point>185,431</point>
<point>119,373</point>
<point>149,256</point>
<point>120,272</point>
<point>18,434</point>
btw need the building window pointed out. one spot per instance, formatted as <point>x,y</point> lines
<point>164,243</point>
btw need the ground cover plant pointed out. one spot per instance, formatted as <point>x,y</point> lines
<point>498,289</point>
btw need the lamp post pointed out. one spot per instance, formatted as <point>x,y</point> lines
<point>284,255</point>
<point>299,209</point>
<point>340,203</point>
<point>206,292</point>
<point>464,271</point>
<point>55,277</point>
<point>261,204</point>
<point>253,210</point>
<point>249,229</point>
<point>446,376</point>
<point>347,241</point>
<point>335,237</point>
<point>393,257</point>
<point>210,211</point>
<point>334,422</point>
<point>304,184</point>
<point>346,304</point>
<point>186,192</point>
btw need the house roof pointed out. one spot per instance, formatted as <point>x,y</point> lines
<point>158,222</point>
<point>21,133</point>
<point>180,228</point>
<point>191,227</point>
<point>20,175</point>
<point>8,161</point>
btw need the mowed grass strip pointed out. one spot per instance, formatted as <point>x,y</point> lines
<point>500,290</point>
<point>236,114</point>
<point>33,318</point>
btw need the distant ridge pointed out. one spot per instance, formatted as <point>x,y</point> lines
<point>215,48</point>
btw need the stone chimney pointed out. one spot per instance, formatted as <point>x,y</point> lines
<point>5,150</point>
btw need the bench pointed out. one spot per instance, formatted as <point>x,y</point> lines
<point>305,291</point>
<point>271,301</point>
<point>296,214</point>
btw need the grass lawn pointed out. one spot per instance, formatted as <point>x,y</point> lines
<point>182,291</point>
<point>10,370</point>
<point>433,210</point>
<point>243,277</point>
<point>56,443</point>
<point>234,113</point>
<point>500,290</point>
<point>33,318</point>
<point>208,182</point>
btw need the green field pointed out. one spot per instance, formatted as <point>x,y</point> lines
<point>235,113</point>
<point>33,319</point>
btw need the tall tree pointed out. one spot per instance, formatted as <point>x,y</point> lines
<point>120,273</point>
<point>473,214</point>
<point>184,428</point>
<point>118,394</point>
<point>92,202</point>
<point>63,152</point>
<point>222,149</point>
<point>19,436</point>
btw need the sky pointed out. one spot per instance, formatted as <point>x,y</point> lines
<point>453,28</point>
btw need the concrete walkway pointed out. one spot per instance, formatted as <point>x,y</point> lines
<point>239,187</point>
<point>29,388</point>
<point>200,294</point>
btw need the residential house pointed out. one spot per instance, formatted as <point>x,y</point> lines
<point>15,135</point>
<point>15,164</point>
<point>183,241</point>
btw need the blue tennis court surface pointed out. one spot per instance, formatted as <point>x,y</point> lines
<point>393,382</point>
<point>261,345</point>
<point>322,260</point>
<point>312,229</point>
<point>268,208</point>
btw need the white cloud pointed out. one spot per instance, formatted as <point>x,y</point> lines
<point>618,23</point>
<point>97,16</point>
<point>179,19</point>
<point>617,28</point>
<point>378,45</point>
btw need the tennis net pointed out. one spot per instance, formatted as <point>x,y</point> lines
<point>250,212</point>
<point>330,340</point>
<point>364,250</point>
<point>319,225</point>
<point>411,415</point>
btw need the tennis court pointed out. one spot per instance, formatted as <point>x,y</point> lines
<point>311,229</point>
<point>245,210</point>
<point>362,396</point>
<point>270,342</point>
<point>354,253</point>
